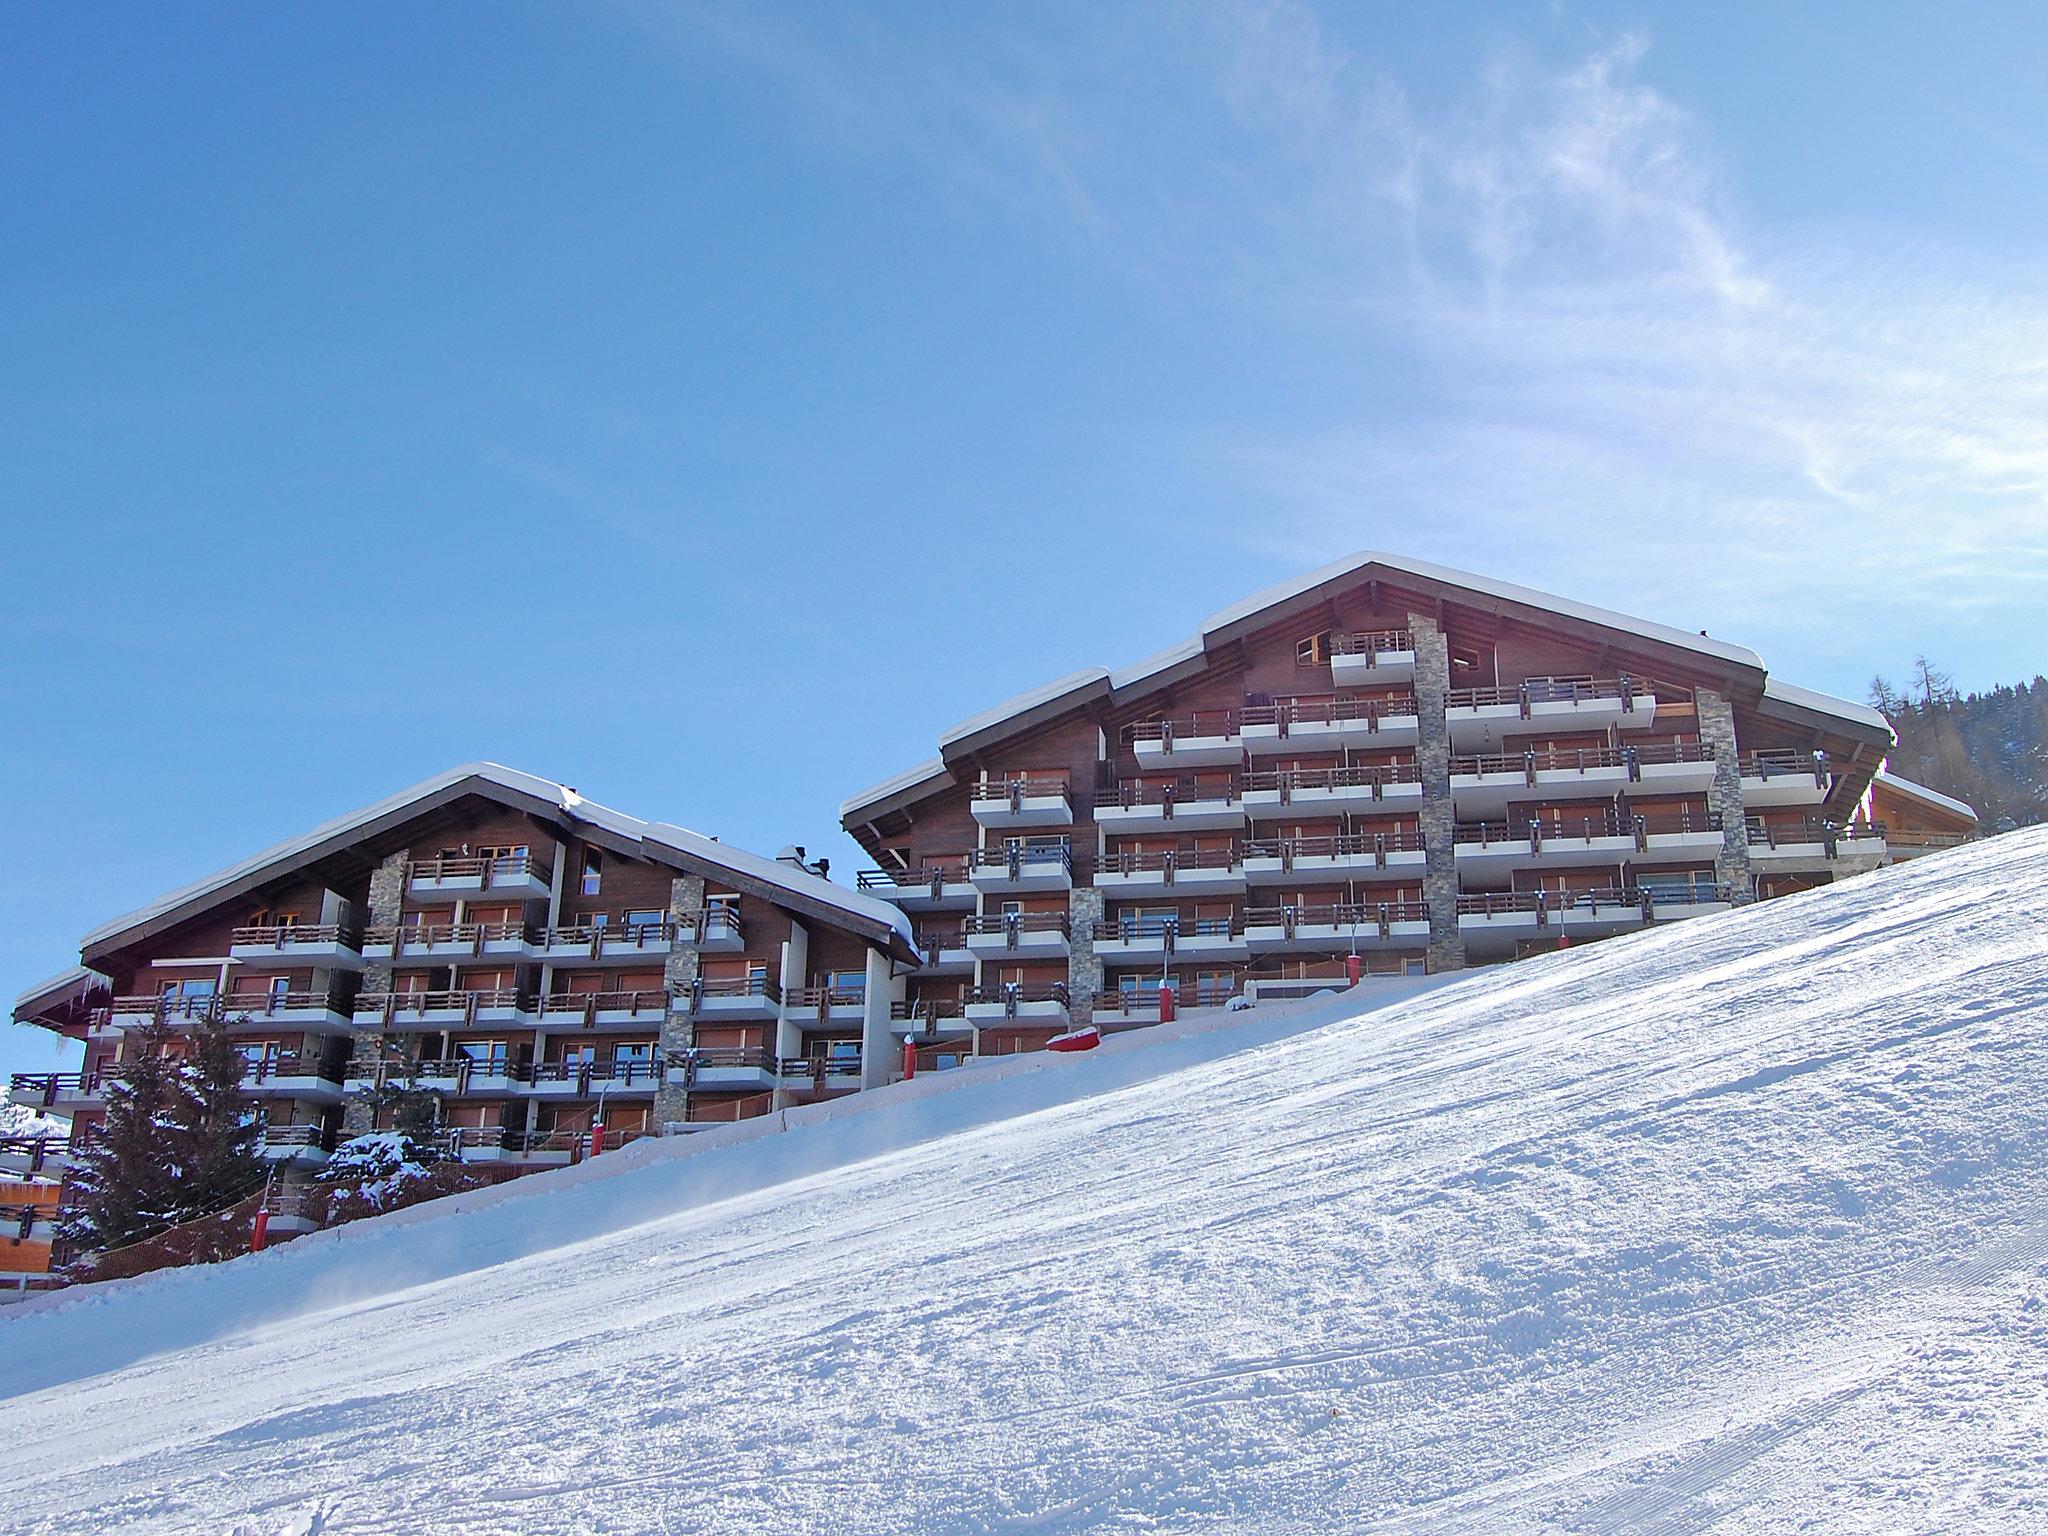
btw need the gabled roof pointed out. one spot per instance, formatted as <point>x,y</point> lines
<point>661,842</point>
<point>1272,604</point>
<point>1859,719</point>
<point>1934,797</point>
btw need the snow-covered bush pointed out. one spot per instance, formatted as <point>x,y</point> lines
<point>378,1157</point>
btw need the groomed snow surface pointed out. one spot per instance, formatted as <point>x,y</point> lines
<point>1738,1225</point>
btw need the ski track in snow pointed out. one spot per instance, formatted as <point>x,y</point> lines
<point>1733,1226</point>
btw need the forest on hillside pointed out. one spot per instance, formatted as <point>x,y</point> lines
<point>1990,749</point>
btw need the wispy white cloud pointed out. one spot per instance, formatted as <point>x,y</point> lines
<point>1618,382</point>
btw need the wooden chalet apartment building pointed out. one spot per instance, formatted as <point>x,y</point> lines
<point>1383,763</point>
<point>535,959</point>
<point>1384,759</point>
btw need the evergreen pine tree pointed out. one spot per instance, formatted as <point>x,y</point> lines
<point>215,1148</point>
<point>123,1186</point>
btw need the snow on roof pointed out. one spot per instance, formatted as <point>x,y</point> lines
<point>570,803</point>
<point>1024,703</point>
<point>1152,666</point>
<point>910,778</point>
<point>1471,581</point>
<point>66,983</point>
<point>1826,704</point>
<point>788,877</point>
<point>1891,780</point>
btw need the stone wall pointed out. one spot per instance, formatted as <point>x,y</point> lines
<point>1084,972</point>
<point>383,910</point>
<point>1717,734</point>
<point>1433,760</point>
<point>678,1029</point>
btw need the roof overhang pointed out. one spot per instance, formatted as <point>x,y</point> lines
<point>551,803</point>
<point>1823,712</point>
<point>1932,798</point>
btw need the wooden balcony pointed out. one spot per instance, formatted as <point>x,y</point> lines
<point>1483,787</point>
<point>421,943</point>
<point>611,943</point>
<point>1321,860</point>
<point>835,1005</point>
<point>327,946</point>
<point>1364,657</point>
<point>1382,788</point>
<point>455,1009</point>
<point>1601,835</point>
<point>1018,935</point>
<point>644,1010</point>
<point>63,1092</point>
<point>1498,920</point>
<point>509,877</point>
<point>1170,872</point>
<point>945,951</point>
<point>1554,704</point>
<point>1158,940</point>
<point>1022,803</point>
<point>1136,806</point>
<point>1329,725</point>
<point>1018,868</point>
<point>1785,776</point>
<point>939,886</point>
<point>1035,1003</point>
<point>1339,928</point>
<point>734,997</point>
<point>1207,739</point>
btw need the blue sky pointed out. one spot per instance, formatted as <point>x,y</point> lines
<point>705,405</point>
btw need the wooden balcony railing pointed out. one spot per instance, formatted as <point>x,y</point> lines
<point>1013,994</point>
<point>264,1069</point>
<point>1371,642</point>
<point>298,1136</point>
<point>1170,863</point>
<point>1765,832</point>
<point>286,935</point>
<point>40,1151</point>
<point>1290,781</point>
<point>1362,916</point>
<point>754,1057</point>
<point>1785,762</point>
<point>502,869</point>
<point>1286,713</point>
<point>588,1005</point>
<point>1017,924</point>
<point>1582,759</point>
<point>822,1070</point>
<point>730,1111</point>
<point>467,1003</point>
<point>1202,723</point>
<point>474,937</point>
<point>824,999</point>
<point>1352,845</point>
<point>1534,833</point>
<point>1131,794</point>
<point>1640,897</point>
<point>931,1010</point>
<point>933,874</point>
<point>1017,791</point>
<point>50,1086</point>
<point>593,937</point>
<point>1025,858</point>
<point>932,942</point>
<point>589,1076</point>
<point>1132,998</point>
<point>1902,838</point>
<point>732,986</point>
<point>1129,930</point>
<point>1549,690</point>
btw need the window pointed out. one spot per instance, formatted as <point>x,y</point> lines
<point>1313,651</point>
<point>645,917</point>
<point>593,871</point>
<point>486,1053</point>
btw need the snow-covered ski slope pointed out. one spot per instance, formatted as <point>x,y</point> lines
<point>1738,1225</point>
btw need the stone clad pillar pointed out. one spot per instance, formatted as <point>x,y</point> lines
<point>386,906</point>
<point>1084,972</point>
<point>1433,758</point>
<point>1717,734</point>
<point>678,1028</point>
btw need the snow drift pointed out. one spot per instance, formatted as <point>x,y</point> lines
<point>1735,1225</point>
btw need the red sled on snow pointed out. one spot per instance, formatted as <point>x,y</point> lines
<point>1084,1039</point>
